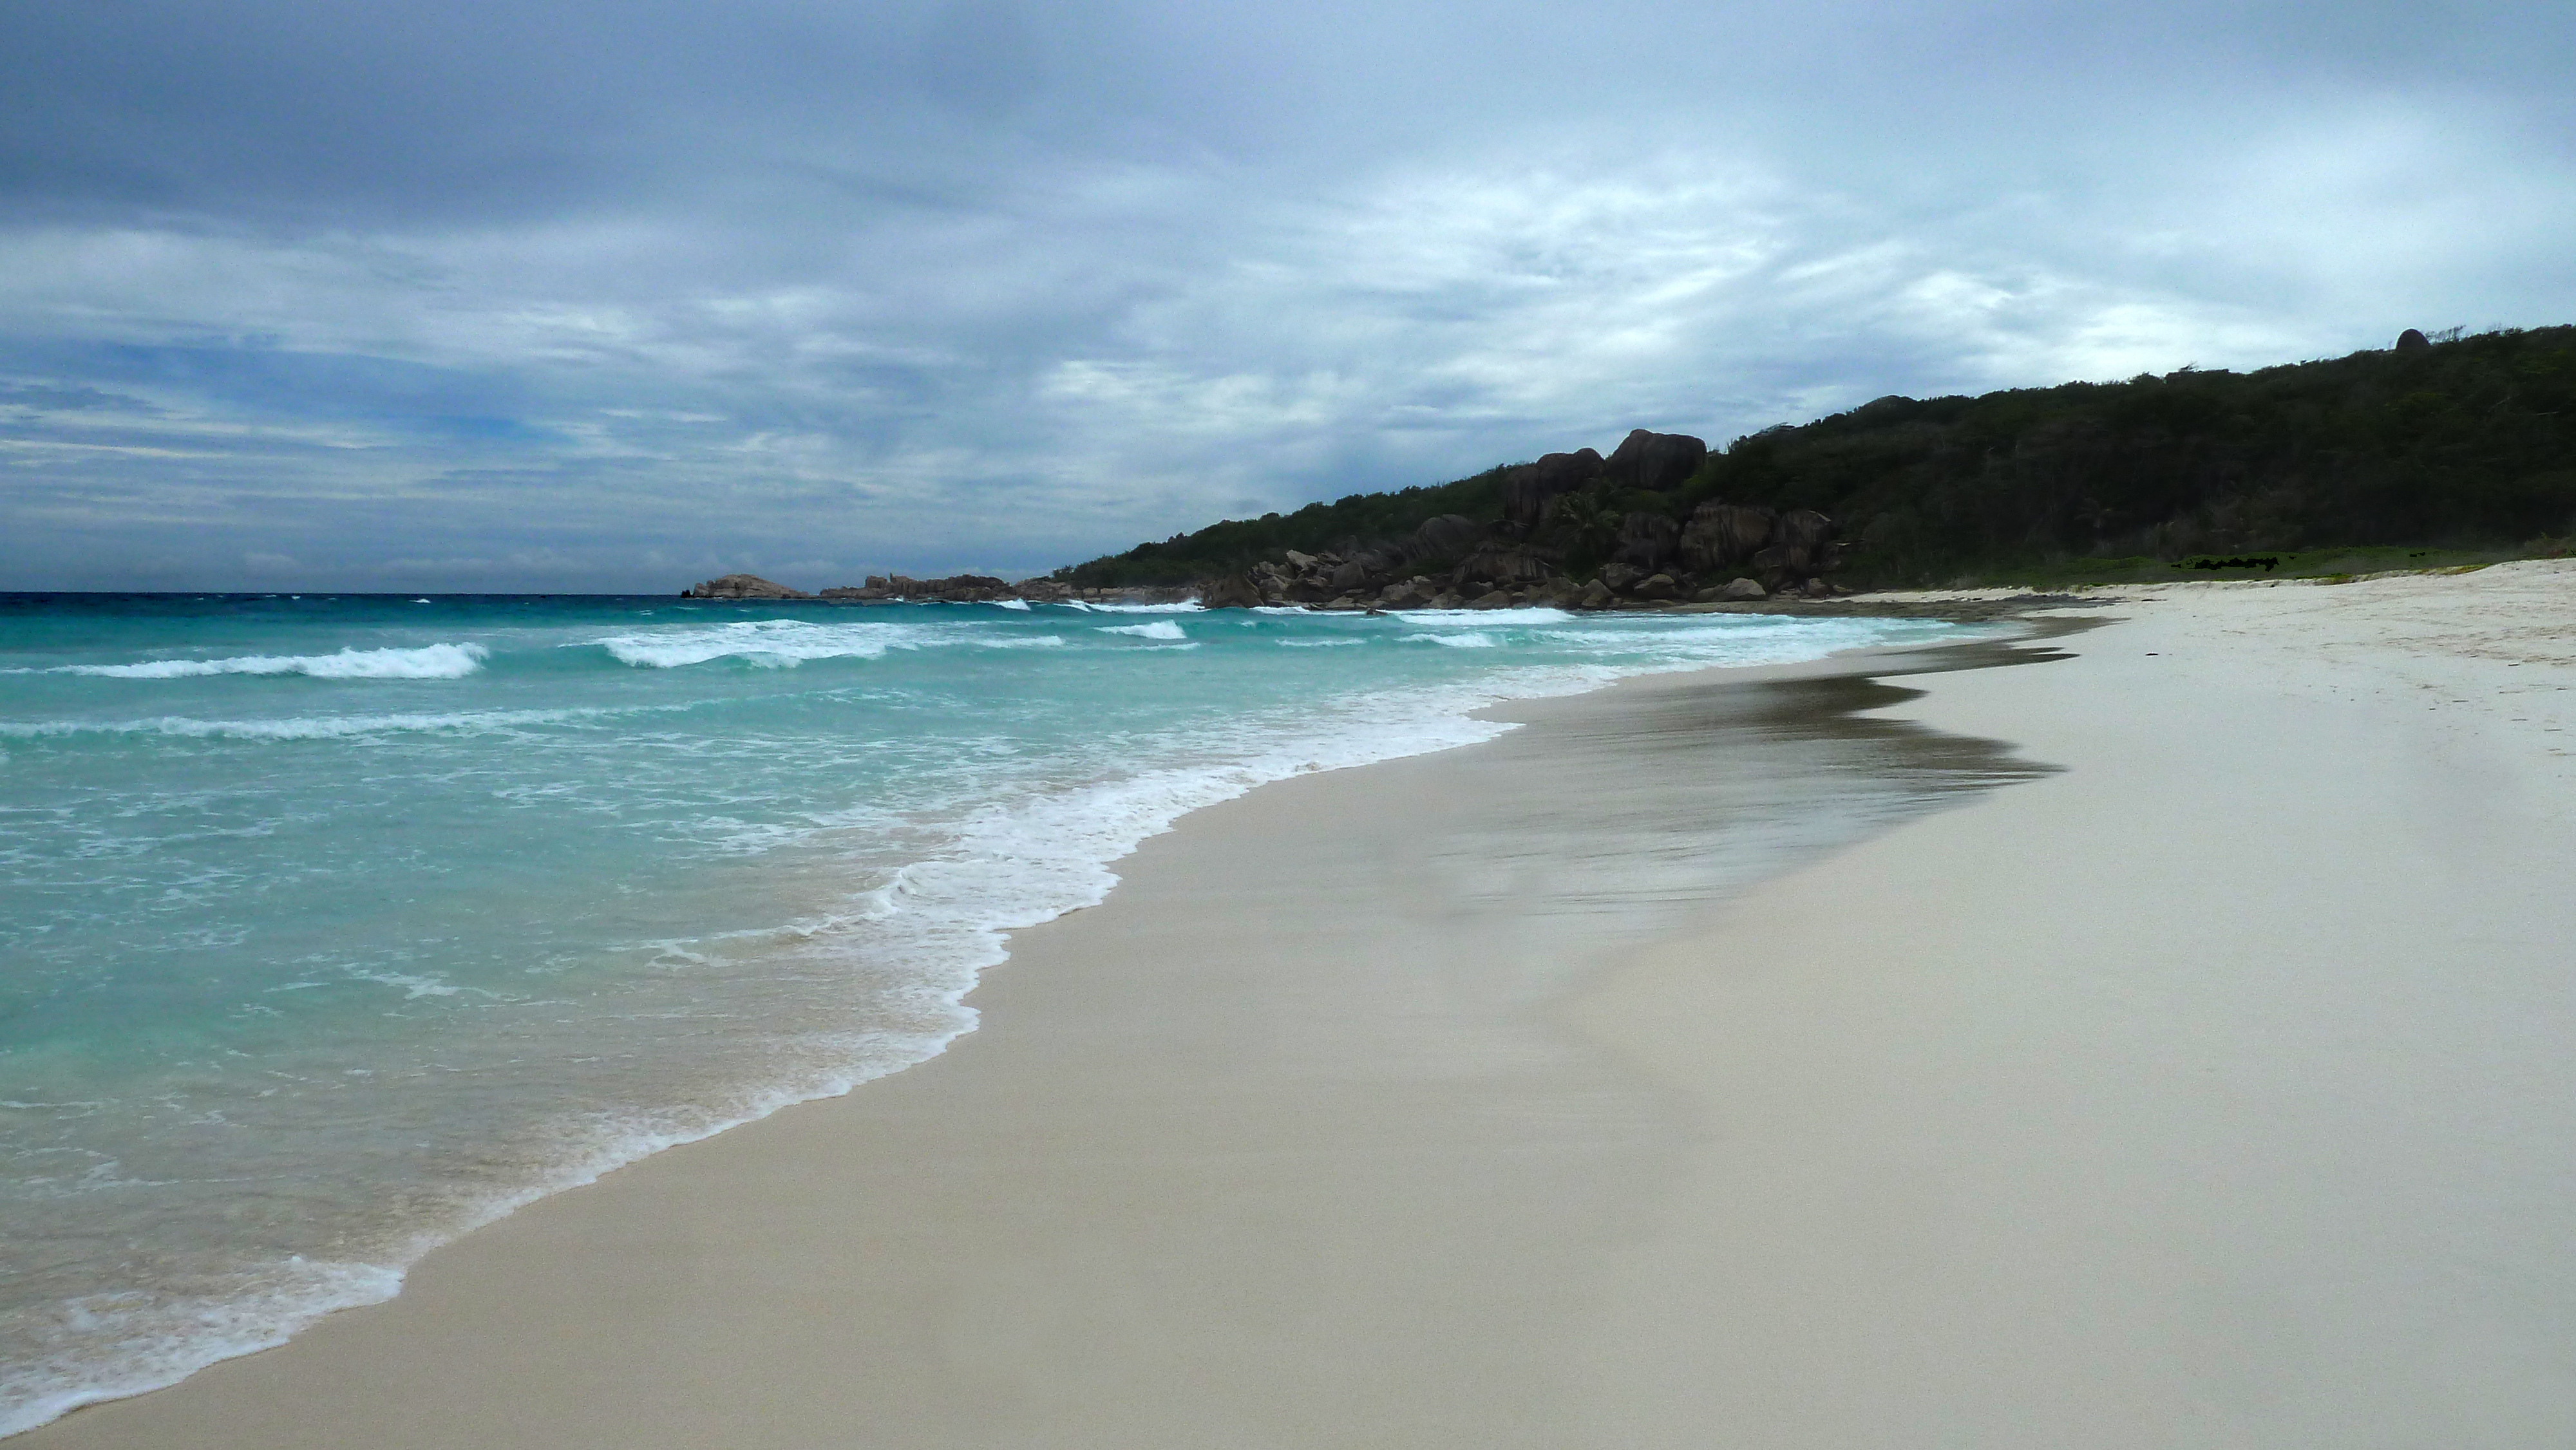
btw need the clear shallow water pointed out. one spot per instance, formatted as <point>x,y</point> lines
<point>333,926</point>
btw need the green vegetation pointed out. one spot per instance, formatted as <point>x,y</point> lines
<point>2458,453</point>
<point>1235,544</point>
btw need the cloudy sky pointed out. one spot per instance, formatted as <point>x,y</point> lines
<point>462,294</point>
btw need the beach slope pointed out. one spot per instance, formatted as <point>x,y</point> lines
<point>2213,1089</point>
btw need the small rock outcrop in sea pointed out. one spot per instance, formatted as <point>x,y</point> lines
<point>742,586</point>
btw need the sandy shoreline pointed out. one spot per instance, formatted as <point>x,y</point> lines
<point>2212,1091</point>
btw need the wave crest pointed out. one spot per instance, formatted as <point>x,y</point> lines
<point>783,644</point>
<point>328,727</point>
<point>427,662</point>
<point>1159,629</point>
<point>778,644</point>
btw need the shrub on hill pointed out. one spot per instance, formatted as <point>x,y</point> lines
<point>1236,544</point>
<point>2469,442</point>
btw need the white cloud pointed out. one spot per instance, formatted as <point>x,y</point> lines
<point>1192,265</point>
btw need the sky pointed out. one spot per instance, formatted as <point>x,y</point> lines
<point>468,295</point>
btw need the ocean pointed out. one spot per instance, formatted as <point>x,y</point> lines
<point>332,926</point>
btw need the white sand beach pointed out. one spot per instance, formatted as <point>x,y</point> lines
<point>2192,1062</point>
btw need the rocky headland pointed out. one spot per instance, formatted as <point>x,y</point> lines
<point>1561,540</point>
<point>1556,512</point>
<point>2444,441</point>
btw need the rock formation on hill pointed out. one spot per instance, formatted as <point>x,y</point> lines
<point>1577,530</point>
<point>1564,511</point>
<point>955,589</point>
<point>2447,439</point>
<point>1790,551</point>
<point>1528,488</point>
<point>742,586</point>
<point>1654,461</point>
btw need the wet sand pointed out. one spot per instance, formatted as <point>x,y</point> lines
<point>2214,1090</point>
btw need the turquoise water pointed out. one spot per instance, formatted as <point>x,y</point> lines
<point>331,926</point>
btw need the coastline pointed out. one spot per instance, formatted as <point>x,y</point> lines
<point>1191,1193</point>
<point>775,977</point>
<point>2214,1092</point>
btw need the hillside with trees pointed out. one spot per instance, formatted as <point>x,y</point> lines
<point>2457,441</point>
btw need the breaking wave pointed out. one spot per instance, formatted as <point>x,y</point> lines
<point>783,644</point>
<point>428,662</point>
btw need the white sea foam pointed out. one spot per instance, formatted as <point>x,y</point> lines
<point>427,662</point>
<point>1315,643</point>
<point>784,644</point>
<point>1183,606</point>
<point>1021,605</point>
<point>326,727</point>
<point>770,643</point>
<point>1046,848</point>
<point>1159,629</point>
<point>1471,640</point>
<point>164,1339</point>
<point>1535,614</point>
<point>413,987</point>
